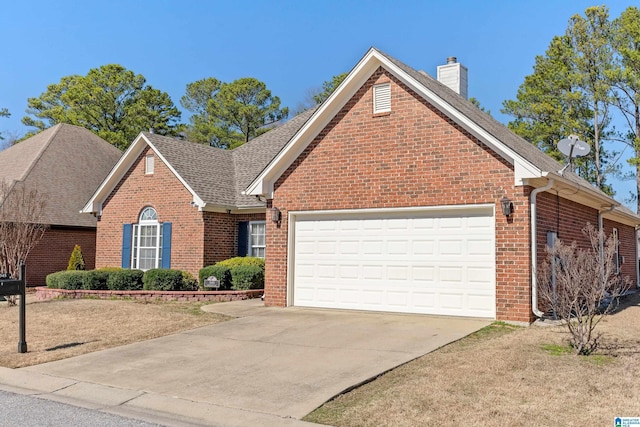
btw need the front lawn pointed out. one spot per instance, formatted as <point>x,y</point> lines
<point>505,376</point>
<point>58,329</point>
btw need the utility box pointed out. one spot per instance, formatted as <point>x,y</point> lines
<point>212,282</point>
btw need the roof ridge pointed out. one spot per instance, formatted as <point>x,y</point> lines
<point>39,154</point>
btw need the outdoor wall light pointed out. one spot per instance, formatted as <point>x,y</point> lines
<point>275,214</point>
<point>507,206</point>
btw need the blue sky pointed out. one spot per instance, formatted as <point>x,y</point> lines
<point>293,46</point>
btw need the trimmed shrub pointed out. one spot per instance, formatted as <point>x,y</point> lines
<point>76,261</point>
<point>189,283</point>
<point>221,272</point>
<point>95,280</point>
<point>68,279</point>
<point>162,279</point>
<point>245,277</point>
<point>125,280</point>
<point>242,260</point>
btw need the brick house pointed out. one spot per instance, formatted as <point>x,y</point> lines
<point>170,203</point>
<point>389,198</point>
<point>65,164</point>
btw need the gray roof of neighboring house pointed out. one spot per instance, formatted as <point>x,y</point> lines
<point>66,163</point>
<point>219,176</point>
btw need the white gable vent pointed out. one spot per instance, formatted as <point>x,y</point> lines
<point>382,98</point>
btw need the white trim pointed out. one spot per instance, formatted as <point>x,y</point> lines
<point>250,238</point>
<point>292,217</point>
<point>263,184</point>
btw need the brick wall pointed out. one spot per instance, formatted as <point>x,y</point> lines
<point>52,253</point>
<point>413,156</point>
<point>171,200</point>
<point>221,234</point>
<point>198,238</point>
<point>568,219</point>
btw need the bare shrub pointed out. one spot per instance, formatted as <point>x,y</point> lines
<point>21,211</point>
<point>580,286</point>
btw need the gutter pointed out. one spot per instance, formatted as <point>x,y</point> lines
<point>534,249</point>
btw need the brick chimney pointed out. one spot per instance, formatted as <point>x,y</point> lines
<point>454,76</point>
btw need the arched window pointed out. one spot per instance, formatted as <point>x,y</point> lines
<point>147,241</point>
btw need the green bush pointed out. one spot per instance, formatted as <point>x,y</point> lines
<point>189,283</point>
<point>68,279</point>
<point>242,260</point>
<point>245,277</point>
<point>76,261</point>
<point>95,280</point>
<point>162,279</point>
<point>221,272</point>
<point>125,280</point>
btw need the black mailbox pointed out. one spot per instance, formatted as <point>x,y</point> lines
<point>10,287</point>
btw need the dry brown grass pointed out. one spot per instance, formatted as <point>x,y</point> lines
<point>59,329</point>
<point>523,376</point>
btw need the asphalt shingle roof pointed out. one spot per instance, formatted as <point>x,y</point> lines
<point>66,163</point>
<point>219,176</point>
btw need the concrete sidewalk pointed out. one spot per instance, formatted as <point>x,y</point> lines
<point>269,366</point>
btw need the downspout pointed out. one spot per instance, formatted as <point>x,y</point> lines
<point>534,247</point>
<point>601,237</point>
<point>637,261</point>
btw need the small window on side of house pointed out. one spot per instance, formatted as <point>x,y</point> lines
<point>149,164</point>
<point>382,98</point>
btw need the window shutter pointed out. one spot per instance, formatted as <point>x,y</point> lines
<point>243,238</point>
<point>166,245</point>
<point>126,245</point>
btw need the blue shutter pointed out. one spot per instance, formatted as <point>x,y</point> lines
<point>166,245</point>
<point>126,245</point>
<point>243,238</point>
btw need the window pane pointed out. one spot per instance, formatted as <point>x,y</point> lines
<point>257,239</point>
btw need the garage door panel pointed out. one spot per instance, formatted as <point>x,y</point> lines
<point>432,262</point>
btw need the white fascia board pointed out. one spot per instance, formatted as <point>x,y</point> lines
<point>94,205</point>
<point>263,184</point>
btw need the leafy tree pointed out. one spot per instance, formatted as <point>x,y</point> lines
<point>328,87</point>
<point>3,113</point>
<point>476,102</point>
<point>76,261</point>
<point>626,82</point>
<point>227,115</point>
<point>591,41</point>
<point>203,128</point>
<point>315,96</point>
<point>111,101</point>
<point>568,93</point>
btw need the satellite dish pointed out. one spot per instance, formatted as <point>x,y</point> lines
<point>573,147</point>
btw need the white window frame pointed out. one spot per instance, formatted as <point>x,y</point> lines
<point>149,219</point>
<point>149,164</point>
<point>251,248</point>
<point>382,98</point>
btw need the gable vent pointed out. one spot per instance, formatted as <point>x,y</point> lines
<point>382,98</point>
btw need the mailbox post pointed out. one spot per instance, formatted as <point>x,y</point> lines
<point>10,287</point>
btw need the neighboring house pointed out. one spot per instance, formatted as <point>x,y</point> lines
<point>170,203</point>
<point>389,198</point>
<point>65,164</point>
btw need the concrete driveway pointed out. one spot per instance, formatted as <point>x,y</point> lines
<point>270,366</point>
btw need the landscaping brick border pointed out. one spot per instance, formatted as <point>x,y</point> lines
<point>43,293</point>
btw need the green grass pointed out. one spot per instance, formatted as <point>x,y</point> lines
<point>558,350</point>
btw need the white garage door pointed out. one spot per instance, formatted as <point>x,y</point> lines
<point>429,262</point>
